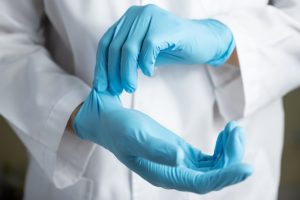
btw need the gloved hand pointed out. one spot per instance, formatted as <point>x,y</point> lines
<point>148,35</point>
<point>155,153</point>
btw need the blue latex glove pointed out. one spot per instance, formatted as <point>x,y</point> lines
<point>148,35</point>
<point>155,153</point>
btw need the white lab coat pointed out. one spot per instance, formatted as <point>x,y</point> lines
<point>46,68</point>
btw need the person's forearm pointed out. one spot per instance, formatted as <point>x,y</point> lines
<point>69,126</point>
<point>233,59</point>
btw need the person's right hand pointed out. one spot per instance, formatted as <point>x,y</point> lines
<point>155,153</point>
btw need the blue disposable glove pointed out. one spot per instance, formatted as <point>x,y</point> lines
<point>155,153</point>
<point>148,35</point>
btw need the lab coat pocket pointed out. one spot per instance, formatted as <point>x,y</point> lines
<point>83,189</point>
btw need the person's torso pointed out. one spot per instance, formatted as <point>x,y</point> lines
<point>179,97</point>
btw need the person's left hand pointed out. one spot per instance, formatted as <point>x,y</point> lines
<point>148,35</point>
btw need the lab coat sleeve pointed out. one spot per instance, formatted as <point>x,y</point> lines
<point>268,45</point>
<point>36,96</point>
